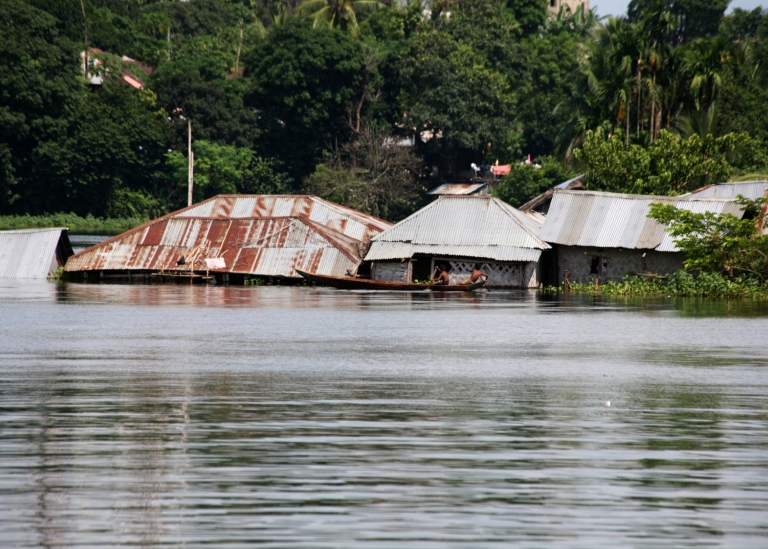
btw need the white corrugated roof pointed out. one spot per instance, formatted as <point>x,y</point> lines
<point>466,226</point>
<point>612,220</point>
<point>29,253</point>
<point>747,189</point>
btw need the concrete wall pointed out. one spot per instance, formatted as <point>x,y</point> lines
<point>397,271</point>
<point>613,263</point>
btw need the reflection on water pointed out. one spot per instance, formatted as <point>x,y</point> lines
<point>309,417</point>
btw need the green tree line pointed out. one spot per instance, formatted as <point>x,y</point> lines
<point>369,102</point>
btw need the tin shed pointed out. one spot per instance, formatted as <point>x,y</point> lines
<point>33,253</point>
<point>607,235</point>
<point>460,231</point>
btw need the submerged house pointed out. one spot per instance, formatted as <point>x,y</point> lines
<point>459,231</point>
<point>608,235</point>
<point>33,253</point>
<point>232,237</point>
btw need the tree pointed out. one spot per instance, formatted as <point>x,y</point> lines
<point>113,149</point>
<point>452,103</point>
<point>338,13</point>
<point>527,181</point>
<point>303,80</point>
<point>692,18</point>
<point>374,174</point>
<point>224,169</point>
<point>669,166</point>
<point>706,60</point>
<point>531,15</point>
<point>719,243</point>
<point>41,87</point>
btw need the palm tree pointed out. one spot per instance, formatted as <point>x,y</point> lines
<point>706,60</point>
<point>701,123</point>
<point>338,13</point>
<point>610,72</point>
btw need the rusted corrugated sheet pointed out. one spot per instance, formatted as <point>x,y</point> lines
<point>267,246</point>
<point>611,220</point>
<point>468,226</point>
<point>350,222</point>
<point>32,253</point>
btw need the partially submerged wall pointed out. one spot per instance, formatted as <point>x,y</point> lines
<point>585,263</point>
<point>500,274</point>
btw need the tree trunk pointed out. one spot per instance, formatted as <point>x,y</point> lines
<point>639,99</point>
<point>239,49</point>
<point>626,136</point>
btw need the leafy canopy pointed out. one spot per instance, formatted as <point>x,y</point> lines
<point>670,165</point>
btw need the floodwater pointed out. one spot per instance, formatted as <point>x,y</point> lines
<point>286,417</point>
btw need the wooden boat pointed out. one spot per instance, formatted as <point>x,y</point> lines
<point>351,283</point>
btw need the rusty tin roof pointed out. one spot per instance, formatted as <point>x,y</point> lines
<point>267,235</point>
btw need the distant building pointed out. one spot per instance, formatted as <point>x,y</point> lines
<point>608,235</point>
<point>33,253</point>
<point>458,232</point>
<point>573,5</point>
<point>232,237</point>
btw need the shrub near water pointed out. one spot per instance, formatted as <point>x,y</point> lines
<point>679,284</point>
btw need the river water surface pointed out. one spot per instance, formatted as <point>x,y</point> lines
<point>309,417</point>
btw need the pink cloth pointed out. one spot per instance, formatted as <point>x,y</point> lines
<point>215,263</point>
<point>501,170</point>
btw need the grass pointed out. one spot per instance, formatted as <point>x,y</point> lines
<point>73,222</point>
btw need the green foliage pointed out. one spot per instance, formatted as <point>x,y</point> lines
<point>719,243</point>
<point>668,166</point>
<point>225,169</point>
<point>303,80</point>
<point>526,182</point>
<point>39,88</point>
<point>341,14</point>
<point>72,221</point>
<point>531,15</point>
<point>690,18</point>
<point>454,100</point>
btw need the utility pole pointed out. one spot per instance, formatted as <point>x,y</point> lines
<point>191,169</point>
<point>85,55</point>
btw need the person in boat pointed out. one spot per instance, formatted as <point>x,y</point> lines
<point>475,275</point>
<point>442,277</point>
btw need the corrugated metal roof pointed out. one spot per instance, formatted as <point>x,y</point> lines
<point>259,235</point>
<point>747,189</point>
<point>611,220</point>
<point>31,253</point>
<point>345,220</point>
<point>462,226</point>
<point>458,189</point>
